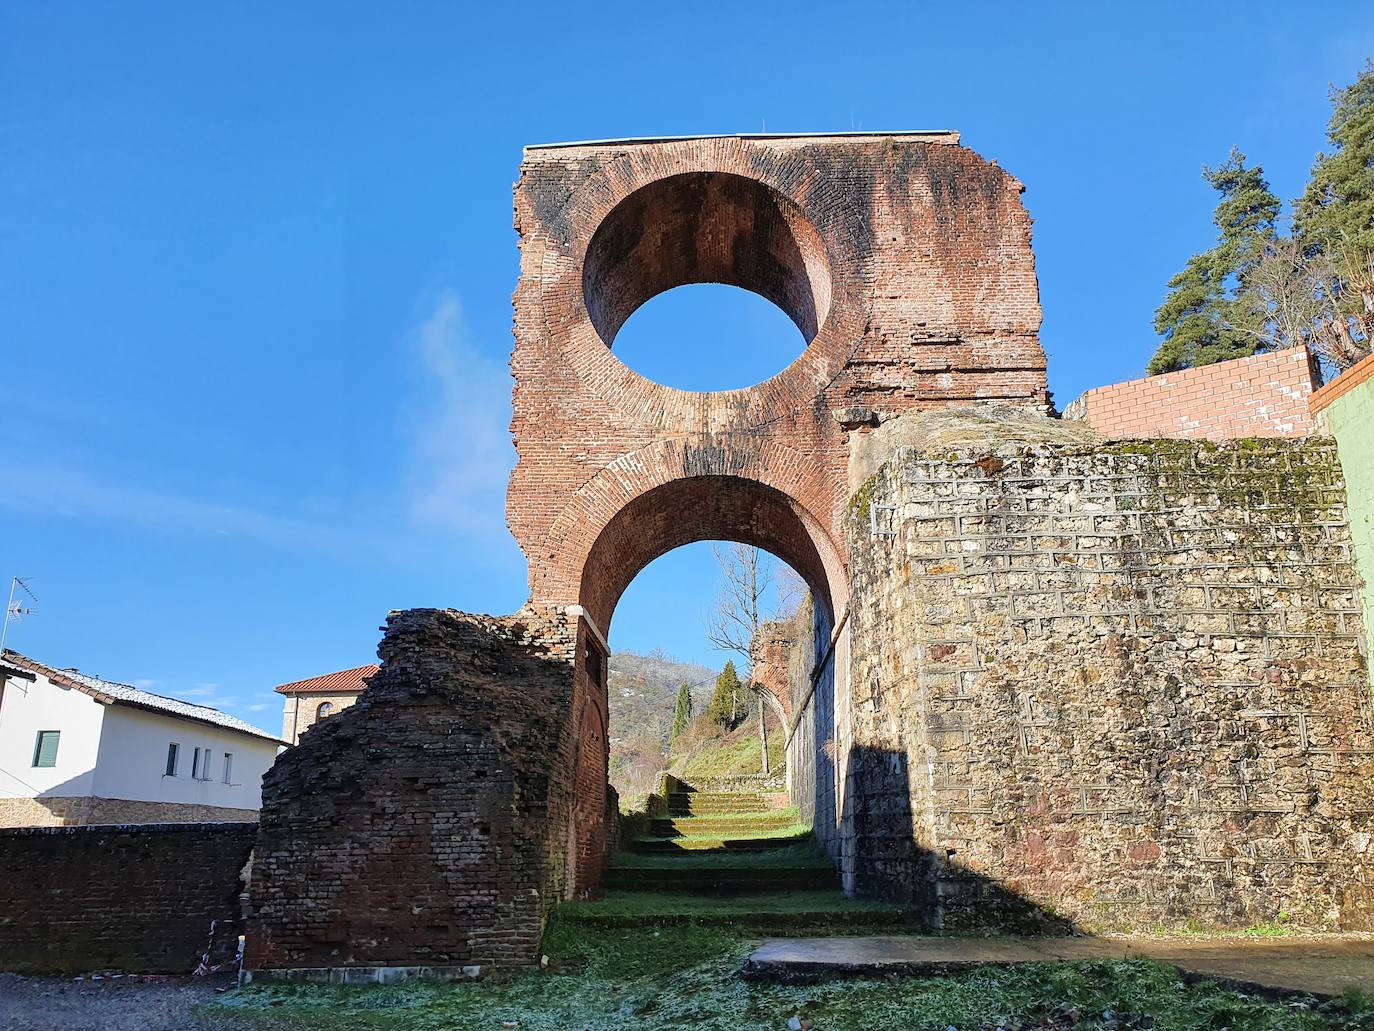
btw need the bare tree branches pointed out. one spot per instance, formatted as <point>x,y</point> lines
<point>1294,297</point>
<point>744,582</point>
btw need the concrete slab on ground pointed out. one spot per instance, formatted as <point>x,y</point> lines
<point>1321,966</point>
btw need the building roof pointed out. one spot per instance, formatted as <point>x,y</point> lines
<point>347,681</point>
<point>110,693</point>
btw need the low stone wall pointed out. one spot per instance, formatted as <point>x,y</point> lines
<point>431,825</point>
<point>84,810</point>
<point>1262,396</point>
<point>138,899</point>
<point>1120,687</point>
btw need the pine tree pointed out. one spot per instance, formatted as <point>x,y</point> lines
<point>1195,319</point>
<point>1334,218</point>
<point>682,713</point>
<point>725,701</point>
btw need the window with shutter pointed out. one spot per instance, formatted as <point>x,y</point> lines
<point>45,748</point>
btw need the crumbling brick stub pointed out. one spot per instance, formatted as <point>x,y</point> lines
<point>430,822</point>
<point>1135,675</point>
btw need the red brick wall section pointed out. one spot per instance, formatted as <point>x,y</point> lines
<point>905,261</point>
<point>135,898</point>
<point>1262,396</point>
<point>430,823</point>
<point>772,653</point>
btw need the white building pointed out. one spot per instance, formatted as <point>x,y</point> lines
<point>78,750</point>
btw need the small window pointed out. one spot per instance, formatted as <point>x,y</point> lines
<point>173,754</point>
<point>325,710</point>
<point>195,764</point>
<point>45,748</point>
<point>228,767</point>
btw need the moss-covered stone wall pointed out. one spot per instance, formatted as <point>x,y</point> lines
<point>1117,687</point>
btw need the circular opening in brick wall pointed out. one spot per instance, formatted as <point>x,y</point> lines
<point>706,337</point>
<point>706,227</point>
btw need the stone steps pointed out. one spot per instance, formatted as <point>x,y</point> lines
<point>707,803</point>
<point>718,881</point>
<point>724,824</point>
<point>716,844</point>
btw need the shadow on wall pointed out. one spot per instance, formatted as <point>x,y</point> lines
<point>62,804</point>
<point>880,858</point>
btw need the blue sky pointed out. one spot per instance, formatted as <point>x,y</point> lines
<point>256,263</point>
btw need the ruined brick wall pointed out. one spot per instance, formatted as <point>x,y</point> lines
<point>905,261</point>
<point>137,899</point>
<point>431,823</point>
<point>1120,686</point>
<point>1262,396</point>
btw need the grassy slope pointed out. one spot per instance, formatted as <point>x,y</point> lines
<point>687,977</point>
<point>736,754</point>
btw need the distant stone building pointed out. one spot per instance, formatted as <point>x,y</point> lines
<point>77,750</point>
<point>309,701</point>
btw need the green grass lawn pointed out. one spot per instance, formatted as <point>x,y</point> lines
<point>686,977</point>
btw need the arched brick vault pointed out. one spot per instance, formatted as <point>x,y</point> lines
<point>698,508</point>
<point>904,260</point>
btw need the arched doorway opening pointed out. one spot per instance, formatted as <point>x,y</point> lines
<point>665,517</point>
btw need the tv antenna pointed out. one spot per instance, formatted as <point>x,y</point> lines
<point>16,609</point>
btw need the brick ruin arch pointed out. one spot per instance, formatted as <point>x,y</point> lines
<point>905,263</point>
<point>436,821</point>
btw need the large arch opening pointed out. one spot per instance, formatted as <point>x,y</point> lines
<point>686,619</point>
<point>717,508</point>
<point>700,228</point>
<point>699,508</point>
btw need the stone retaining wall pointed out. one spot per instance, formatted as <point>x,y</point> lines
<point>1121,687</point>
<point>83,810</point>
<point>132,898</point>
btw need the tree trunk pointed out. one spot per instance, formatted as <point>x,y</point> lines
<point>763,737</point>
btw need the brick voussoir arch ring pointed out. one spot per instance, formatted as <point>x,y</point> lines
<point>708,211</point>
<point>771,476</point>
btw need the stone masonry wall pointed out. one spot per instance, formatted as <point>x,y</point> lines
<point>430,824</point>
<point>1120,687</point>
<point>137,899</point>
<point>1262,396</point>
<point>83,810</point>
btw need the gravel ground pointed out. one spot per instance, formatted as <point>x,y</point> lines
<point>162,1004</point>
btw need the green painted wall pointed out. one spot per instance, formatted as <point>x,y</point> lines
<point>1350,419</point>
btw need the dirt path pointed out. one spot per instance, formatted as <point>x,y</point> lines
<point>165,1004</point>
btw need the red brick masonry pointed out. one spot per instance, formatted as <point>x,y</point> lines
<point>1343,384</point>
<point>1263,396</point>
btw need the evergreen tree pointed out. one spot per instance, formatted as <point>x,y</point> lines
<point>1334,218</point>
<point>725,701</point>
<point>1195,319</point>
<point>682,713</point>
